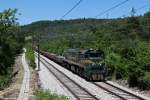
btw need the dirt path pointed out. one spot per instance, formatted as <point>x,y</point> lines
<point>33,84</point>
<point>12,92</point>
<point>25,87</point>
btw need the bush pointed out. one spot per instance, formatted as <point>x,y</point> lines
<point>134,76</point>
<point>147,80</point>
<point>30,55</point>
<point>121,72</point>
<point>47,95</point>
<point>115,66</point>
<point>4,80</point>
<point>144,82</point>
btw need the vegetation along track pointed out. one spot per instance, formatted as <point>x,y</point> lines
<point>77,91</point>
<point>123,94</point>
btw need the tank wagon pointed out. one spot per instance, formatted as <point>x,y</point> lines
<point>83,62</point>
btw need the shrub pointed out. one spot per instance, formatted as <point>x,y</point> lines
<point>121,72</point>
<point>4,80</point>
<point>134,76</point>
<point>147,80</point>
<point>115,66</point>
<point>47,95</point>
<point>30,55</point>
<point>144,82</point>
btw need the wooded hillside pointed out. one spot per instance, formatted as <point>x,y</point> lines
<point>125,42</point>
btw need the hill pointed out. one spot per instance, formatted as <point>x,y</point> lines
<point>125,42</point>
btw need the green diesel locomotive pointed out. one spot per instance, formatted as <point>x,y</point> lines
<point>87,63</point>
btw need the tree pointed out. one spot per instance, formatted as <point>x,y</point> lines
<point>146,25</point>
<point>134,28</point>
<point>115,66</point>
<point>10,40</point>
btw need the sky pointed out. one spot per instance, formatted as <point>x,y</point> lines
<point>35,10</point>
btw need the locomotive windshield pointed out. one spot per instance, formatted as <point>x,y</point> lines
<point>94,55</point>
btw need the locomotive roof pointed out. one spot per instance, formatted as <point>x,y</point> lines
<point>86,51</point>
<point>82,51</point>
<point>72,50</point>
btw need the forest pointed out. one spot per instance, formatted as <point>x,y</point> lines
<point>125,41</point>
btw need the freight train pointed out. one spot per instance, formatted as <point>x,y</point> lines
<point>83,62</point>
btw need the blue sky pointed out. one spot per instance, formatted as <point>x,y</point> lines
<point>34,10</point>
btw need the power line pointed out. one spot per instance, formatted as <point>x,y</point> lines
<point>71,9</point>
<point>137,9</point>
<point>143,7</point>
<point>112,8</point>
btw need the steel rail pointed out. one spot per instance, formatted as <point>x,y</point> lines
<point>124,91</point>
<point>109,91</point>
<point>122,96</point>
<point>93,96</point>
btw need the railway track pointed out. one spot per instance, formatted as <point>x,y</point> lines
<point>77,91</point>
<point>118,92</point>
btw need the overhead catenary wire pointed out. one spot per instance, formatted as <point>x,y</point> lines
<point>142,7</point>
<point>121,3</point>
<point>71,9</point>
<point>137,9</point>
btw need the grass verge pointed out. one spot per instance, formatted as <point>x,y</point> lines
<point>4,81</point>
<point>30,55</point>
<point>47,95</point>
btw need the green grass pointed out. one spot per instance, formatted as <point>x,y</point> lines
<point>146,81</point>
<point>47,95</point>
<point>4,81</point>
<point>30,55</point>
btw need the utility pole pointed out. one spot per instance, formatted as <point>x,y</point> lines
<point>38,44</point>
<point>133,12</point>
<point>107,15</point>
